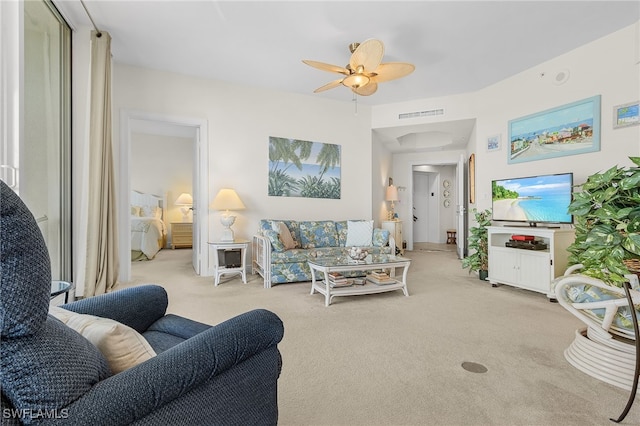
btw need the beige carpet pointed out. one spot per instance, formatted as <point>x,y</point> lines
<point>388,359</point>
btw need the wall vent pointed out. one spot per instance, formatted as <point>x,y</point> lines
<point>429,113</point>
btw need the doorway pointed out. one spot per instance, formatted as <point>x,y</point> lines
<point>134,123</point>
<point>438,203</point>
<point>432,203</point>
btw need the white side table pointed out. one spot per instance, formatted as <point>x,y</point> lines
<point>220,270</point>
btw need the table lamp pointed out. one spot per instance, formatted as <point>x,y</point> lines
<point>186,201</point>
<point>391,195</point>
<point>226,200</point>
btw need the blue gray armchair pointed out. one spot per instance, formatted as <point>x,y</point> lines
<point>202,375</point>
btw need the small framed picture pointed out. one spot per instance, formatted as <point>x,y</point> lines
<point>494,143</point>
<point>626,115</point>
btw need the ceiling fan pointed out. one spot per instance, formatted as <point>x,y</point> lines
<point>365,69</point>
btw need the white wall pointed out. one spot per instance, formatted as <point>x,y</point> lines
<point>381,164</point>
<point>162,165</point>
<point>240,121</point>
<point>607,67</point>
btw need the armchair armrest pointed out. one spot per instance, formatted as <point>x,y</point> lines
<point>138,307</point>
<point>571,283</point>
<point>135,393</point>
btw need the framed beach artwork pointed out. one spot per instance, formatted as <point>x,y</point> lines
<point>565,130</point>
<point>626,115</point>
<point>300,168</point>
<point>494,143</point>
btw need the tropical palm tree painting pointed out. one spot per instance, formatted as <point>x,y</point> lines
<point>303,168</point>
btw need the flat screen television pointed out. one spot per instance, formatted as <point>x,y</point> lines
<point>533,200</point>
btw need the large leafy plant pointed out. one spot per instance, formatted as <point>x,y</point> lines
<point>478,241</point>
<point>607,221</point>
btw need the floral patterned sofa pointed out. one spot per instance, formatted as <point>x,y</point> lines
<point>279,263</point>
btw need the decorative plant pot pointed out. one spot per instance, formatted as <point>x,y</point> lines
<point>483,275</point>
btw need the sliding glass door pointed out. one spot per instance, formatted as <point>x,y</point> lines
<point>43,178</point>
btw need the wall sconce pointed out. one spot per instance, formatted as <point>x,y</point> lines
<point>392,196</point>
<point>226,200</point>
<point>186,201</point>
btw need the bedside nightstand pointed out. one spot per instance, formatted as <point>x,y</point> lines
<point>181,235</point>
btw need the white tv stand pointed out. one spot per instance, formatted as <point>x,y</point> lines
<point>529,269</point>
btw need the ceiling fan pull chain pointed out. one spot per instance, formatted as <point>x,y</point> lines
<point>355,101</point>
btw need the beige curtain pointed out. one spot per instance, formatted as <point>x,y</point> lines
<point>102,243</point>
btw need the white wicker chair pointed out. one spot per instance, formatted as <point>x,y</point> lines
<point>604,349</point>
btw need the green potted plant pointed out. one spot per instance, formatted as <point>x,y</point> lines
<point>607,221</point>
<point>478,241</point>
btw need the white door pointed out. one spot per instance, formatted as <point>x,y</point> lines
<point>460,208</point>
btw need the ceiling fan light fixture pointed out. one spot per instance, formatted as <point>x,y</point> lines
<point>365,69</point>
<point>355,81</point>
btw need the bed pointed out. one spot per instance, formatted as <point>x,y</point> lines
<point>148,230</point>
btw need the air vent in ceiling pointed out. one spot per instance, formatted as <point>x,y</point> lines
<point>429,113</point>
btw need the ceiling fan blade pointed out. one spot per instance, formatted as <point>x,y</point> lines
<point>334,83</point>
<point>368,55</point>
<point>326,67</point>
<point>392,70</point>
<point>366,90</point>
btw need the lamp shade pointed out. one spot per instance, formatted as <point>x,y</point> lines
<point>392,193</point>
<point>185,199</point>
<point>227,199</point>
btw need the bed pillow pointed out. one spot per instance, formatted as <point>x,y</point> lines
<point>121,345</point>
<point>359,233</point>
<point>151,211</point>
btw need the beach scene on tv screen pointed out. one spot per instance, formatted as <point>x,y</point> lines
<point>534,199</point>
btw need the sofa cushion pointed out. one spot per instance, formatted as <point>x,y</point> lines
<point>122,346</point>
<point>359,233</point>
<point>587,294</point>
<point>316,234</point>
<point>303,255</point>
<point>274,238</point>
<point>292,225</point>
<point>380,237</point>
<point>290,256</point>
<point>285,236</point>
<point>341,229</point>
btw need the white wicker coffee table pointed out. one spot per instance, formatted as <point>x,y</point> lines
<point>327,265</point>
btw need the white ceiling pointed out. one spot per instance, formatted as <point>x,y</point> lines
<point>456,46</point>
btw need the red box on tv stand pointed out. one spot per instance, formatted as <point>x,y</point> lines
<point>522,237</point>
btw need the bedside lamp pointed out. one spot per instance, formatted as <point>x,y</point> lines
<point>226,200</point>
<point>392,196</point>
<point>186,201</point>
